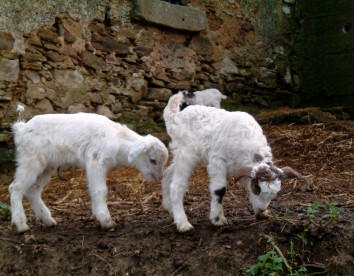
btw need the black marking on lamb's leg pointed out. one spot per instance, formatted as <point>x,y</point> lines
<point>217,219</point>
<point>220,193</point>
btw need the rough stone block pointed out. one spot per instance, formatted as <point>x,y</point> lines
<point>202,46</point>
<point>68,79</point>
<point>33,57</point>
<point>55,56</point>
<point>108,44</point>
<point>5,96</point>
<point>6,42</point>
<point>48,35</point>
<point>44,106</point>
<point>33,76</point>
<point>93,61</point>
<point>76,108</point>
<point>35,93</point>
<point>228,67</point>
<point>160,94</point>
<point>105,111</point>
<point>5,136</point>
<point>9,69</point>
<point>171,16</point>
<point>95,98</point>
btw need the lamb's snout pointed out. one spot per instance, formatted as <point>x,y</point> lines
<point>263,215</point>
<point>158,178</point>
<point>261,210</point>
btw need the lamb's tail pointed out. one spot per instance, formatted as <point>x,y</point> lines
<point>223,97</point>
<point>18,125</point>
<point>20,109</point>
<point>173,107</point>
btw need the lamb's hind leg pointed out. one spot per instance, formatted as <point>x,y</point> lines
<point>217,188</point>
<point>33,194</point>
<point>18,216</point>
<point>25,176</point>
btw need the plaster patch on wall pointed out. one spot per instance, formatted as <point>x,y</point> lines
<point>20,17</point>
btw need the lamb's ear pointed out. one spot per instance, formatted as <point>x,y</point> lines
<point>290,172</point>
<point>191,94</point>
<point>138,148</point>
<point>244,171</point>
<point>258,157</point>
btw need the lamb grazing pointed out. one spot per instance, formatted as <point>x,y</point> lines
<point>88,141</point>
<point>228,143</point>
<point>208,97</point>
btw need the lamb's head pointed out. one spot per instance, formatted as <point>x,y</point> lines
<point>265,183</point>
<point>149,156</point>
<point>189,98</point>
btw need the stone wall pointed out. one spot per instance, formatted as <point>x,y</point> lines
<point>124,59</point>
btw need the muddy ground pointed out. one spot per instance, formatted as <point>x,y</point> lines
<point>146,242</point>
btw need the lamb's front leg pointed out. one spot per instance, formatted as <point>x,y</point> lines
<point>96,177</point>
<point>217,188</point>
<point>177,190</point>
<point>166,182</point>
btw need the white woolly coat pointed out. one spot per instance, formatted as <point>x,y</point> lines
<point>72,143</point>
<point>208,133</point>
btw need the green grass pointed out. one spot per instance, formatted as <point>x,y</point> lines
<point>5,211</point>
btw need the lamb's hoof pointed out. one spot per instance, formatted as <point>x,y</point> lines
<point>49,222</point>
<point>22,228</point>
<point>110,226</point>
<point>264,215</point>
<point>219,221</point>
<point>185,227</point>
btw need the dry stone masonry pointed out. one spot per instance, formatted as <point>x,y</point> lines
<point>124,59</point>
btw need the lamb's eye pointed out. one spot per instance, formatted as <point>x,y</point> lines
<point>153,161</point>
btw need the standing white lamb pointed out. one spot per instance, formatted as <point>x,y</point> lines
<point>228,143</point>
<point>88,141</point>
<point>208,97</point>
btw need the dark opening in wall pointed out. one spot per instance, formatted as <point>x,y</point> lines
<point>177,2</point>
<point>346,28</point>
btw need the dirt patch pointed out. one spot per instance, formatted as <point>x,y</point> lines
<point>146,242</point>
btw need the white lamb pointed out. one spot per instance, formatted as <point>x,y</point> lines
<point>228,143</point>
<point>208,97</point>
<point>88,141</point>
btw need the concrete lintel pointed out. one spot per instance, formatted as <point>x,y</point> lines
<point>172,16</point>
